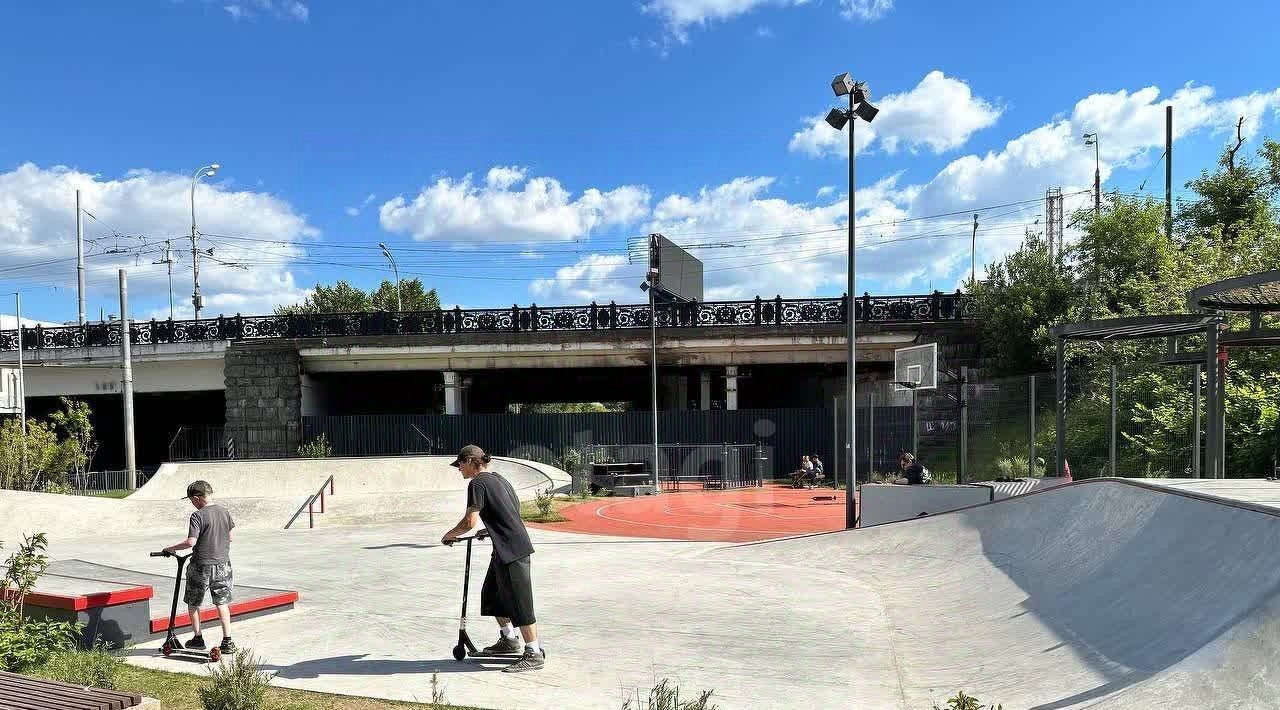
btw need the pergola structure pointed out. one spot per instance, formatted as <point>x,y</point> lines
<point>1252,295</point>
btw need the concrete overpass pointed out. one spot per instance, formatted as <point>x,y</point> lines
<point>267,370</point>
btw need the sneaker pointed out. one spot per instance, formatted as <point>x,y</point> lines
<point>197,643</point>
<point>227,645</point>
<point>530,661</point>
<point>505,647</point>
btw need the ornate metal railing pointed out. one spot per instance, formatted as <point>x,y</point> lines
<point>935,307</point>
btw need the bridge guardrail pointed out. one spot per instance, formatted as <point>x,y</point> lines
<point>778,311</point>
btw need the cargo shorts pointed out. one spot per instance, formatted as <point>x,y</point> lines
<point>212,577</point>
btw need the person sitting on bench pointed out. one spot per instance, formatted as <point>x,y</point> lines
<point>800,477</point>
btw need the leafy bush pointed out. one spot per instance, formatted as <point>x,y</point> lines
<point>26,643</point>
<point>236,684</point>
<point>544,500</point>
<point>965,702</point>
<point>59,487</point>
<point>664,696</point>
<point>317,448</point>
<point>95,667</point>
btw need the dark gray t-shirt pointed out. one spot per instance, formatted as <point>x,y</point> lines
<point>211,527</point>
<point>499,508</point>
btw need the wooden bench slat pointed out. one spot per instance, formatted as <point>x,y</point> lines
<point>18,692</point>
<point>22,693</point>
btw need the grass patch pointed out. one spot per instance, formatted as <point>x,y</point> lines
<point>177,691</point>
<point>531,513</point>
<point>118,493</point>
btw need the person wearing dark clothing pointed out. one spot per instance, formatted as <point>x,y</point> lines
<point>913,472</point>
<point>507,593</point>
<point>209,531</point>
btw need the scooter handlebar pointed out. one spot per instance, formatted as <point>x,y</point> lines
<point>480,535</point>
<point>162,554</point>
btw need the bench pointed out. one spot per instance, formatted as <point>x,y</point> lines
<point>19,692</point>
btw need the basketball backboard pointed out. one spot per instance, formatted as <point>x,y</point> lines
<point>916,367</point>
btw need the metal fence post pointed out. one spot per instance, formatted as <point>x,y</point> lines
<point>871,434</point>
<point>1112,450</point>
<point>1031,420</point>
<point>1195,422</point>
<point>963,467</point>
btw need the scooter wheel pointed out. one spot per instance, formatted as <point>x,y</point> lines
<point>459,652</point>
<point>166,649</point>
<point>215,654</point>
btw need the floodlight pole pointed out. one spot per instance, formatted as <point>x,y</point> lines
<point>653,377</point>
<point>851,354</point>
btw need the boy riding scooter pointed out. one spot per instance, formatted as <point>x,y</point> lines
<point>209,531</point>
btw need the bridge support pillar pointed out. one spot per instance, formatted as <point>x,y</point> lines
<point>731,387</point>
<point>452,392</point>
<point>263,415</point>
<point>704,390</point>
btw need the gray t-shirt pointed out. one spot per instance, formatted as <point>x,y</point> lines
<point>211,527</point>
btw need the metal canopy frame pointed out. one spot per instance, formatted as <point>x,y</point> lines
<point>1255,293</point>
<point>1147,328</point>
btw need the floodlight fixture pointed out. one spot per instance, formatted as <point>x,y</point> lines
<point>837,118</point>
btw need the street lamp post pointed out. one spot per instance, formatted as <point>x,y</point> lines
<point>859,107</point>
<point>394,270</point>
<point>197,301</point>
<point>1092,139</point>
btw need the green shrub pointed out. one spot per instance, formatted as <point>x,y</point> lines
<point>95,667</point>
<point>26,643</point>
<point>317,448</point>
<point>236,684</point>
<point>59,487</point>
<point>664,696</point>
<point>544,500</point>
<point>965,702</point>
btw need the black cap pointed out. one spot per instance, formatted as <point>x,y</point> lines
<point>198,488</point>
<point>470,451</point>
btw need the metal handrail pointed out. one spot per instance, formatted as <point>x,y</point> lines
<point>309,505</point>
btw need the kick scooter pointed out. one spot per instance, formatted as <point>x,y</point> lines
<point>172,646</point>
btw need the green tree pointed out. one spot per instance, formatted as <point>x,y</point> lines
<point>1123,265</point>
<point>413,296</point>
<point>1023,296</point>
<point>341,297</point>
<point>74,421</point>
<point>45,460</point>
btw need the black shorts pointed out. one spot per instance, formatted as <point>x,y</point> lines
<point>508,591</point>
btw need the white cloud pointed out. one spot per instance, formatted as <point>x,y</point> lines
<point>826,191</point>
<point>37,208</point>
<point>595,277</point>
<point>764,32</point>
<point>939,114</point>
<point>679,16</point>
<point>290,10</point>
<point>865,9</point>
<point>355,211</point>
<point>509,206</point>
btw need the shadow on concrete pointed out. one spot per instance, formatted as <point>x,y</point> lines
<point>362,665</point>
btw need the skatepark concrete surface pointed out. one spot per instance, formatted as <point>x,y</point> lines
<point>1097,594</point>
<point>266,494</point>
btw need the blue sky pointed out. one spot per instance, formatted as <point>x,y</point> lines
<point>506,152</point>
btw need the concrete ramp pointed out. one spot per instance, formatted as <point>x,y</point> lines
<point>1102,593</point>
<point>266,494</point>
<point>302,477</point>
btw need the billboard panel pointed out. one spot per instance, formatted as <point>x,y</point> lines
<point>10,391</point>
<point>679,272</point>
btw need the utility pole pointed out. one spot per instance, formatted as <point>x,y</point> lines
<point>973,257</point>
<point>1168,172</point>
<point>126,361</point>
<point>79,261</point>
<point>197,301</point>
<point>168,259</point>
<point>1092,139</point>
<point>22,382</point>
